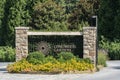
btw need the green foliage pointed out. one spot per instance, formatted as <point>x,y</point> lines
<point>15,14</point>
<point>69,5</point>
<point>7,54</point>
<point>81,15</point>
<point>63,56</point>
<point>117,23</point>
<point>48,16</point>
<point>2,55</point>
<point>73,14</point>
<point>86,60</point>
<point>113,48</point>
<point>104,43</point>
<point>102,58</point>
<point>36,58</point>
<point>50,59</point>
<point>109,19</point>
<point>39,58</point>
<point>2,11</point>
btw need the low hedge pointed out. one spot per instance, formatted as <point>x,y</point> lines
<point>63,56</point>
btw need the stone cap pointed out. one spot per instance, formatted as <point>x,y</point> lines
<point>91,27</point>
<point>20,28</point>
<point>55,33</point>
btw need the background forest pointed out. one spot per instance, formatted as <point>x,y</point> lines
<point>61,15</point>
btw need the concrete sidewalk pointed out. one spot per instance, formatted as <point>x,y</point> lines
<point>112,72</point>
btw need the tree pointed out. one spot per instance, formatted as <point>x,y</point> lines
<point>68,5</point>
<point>15,15</point>
<point>107,19</point>
<point>71,5</point>
<point>31,4</point>
<point>117,22</point>
<point>2,5</point>
<point>81,15</point>
<point>48,16</point>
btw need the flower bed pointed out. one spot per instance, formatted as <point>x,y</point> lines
<point>51,65</point>
<point>68,66</point>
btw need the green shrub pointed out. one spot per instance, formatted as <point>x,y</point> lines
<point>63,56</point>
<point>102,59</point>
<point>114,55</point>
<point>113,48</point>
<point>36,58</point>
<point>7,54</point>
<point>2,55</point>
<point>50,59</point>
<point>86,60</point>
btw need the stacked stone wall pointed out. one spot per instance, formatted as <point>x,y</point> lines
<point>21,42</point>
<point>89,43</point>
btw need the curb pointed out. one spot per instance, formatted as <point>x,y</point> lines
<point>2,67</point>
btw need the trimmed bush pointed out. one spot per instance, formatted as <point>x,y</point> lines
<point>36,58</point>
<point>50,59</point>
<point>86,60</point>
<point>63,56</point>
<point>7,54</point>
<point>102,59</point>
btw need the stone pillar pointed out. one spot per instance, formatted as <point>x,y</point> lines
<point>21,42</point>
<point>89,43</point>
